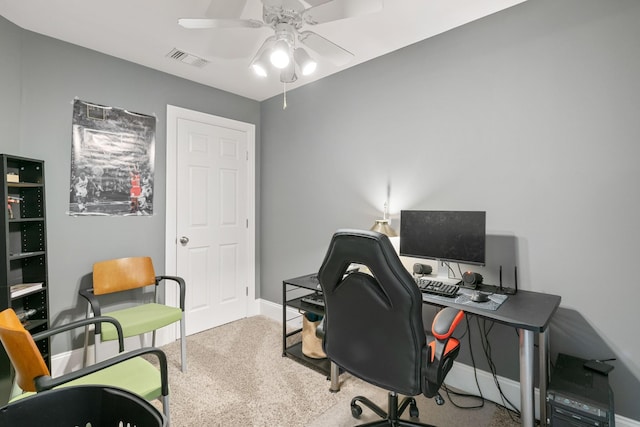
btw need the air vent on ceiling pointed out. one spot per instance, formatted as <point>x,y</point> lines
<point>187,58</point>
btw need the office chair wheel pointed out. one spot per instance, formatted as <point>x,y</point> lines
<point>356,410</point>
<point>413,411</point>
<point>439,400</point>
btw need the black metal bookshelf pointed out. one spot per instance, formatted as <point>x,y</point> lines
<point>23,276</point>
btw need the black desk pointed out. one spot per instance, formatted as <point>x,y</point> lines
<point>530,313</point>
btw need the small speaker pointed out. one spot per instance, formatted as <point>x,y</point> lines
<point>421,269</point>
<point>471,279</point>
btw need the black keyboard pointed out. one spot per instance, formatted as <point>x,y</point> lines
<point>436,287</point>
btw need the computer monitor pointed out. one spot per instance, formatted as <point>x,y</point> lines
<point>456,236</point>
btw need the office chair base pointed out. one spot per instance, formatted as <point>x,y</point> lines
<point>395,411</point>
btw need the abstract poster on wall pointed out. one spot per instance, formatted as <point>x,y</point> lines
<point>112,157</point>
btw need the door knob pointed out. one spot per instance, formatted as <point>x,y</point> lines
<point>184,240</point>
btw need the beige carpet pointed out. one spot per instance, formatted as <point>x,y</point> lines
<point>238,377</point>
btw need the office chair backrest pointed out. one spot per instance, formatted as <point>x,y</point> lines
<point>122,274</point>
<point>22,351</point>
<point>373,327</point>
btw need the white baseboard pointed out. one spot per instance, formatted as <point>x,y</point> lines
<point>70,361</point>
<point>274,311</point>
<point>253,307</point>
<point>460,377</point>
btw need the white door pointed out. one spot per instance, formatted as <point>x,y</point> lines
<point>213,235</point>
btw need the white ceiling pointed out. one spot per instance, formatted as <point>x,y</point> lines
<point>145,31</point>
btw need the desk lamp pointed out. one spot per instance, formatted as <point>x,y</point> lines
<point>383,226</point>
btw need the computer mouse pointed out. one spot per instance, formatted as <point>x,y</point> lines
<point>478,296</point>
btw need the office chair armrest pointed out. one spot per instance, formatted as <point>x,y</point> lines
<point>445,322</point>
<point>181,283</point>
<point>46,382</point>
<point>83,322</point>
<point>442,349</point>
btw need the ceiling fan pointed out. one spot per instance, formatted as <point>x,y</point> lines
<point>283,50</point>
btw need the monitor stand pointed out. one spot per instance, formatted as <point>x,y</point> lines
<point>443,274</point>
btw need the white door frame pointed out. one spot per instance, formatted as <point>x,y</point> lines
<point>173,114</point>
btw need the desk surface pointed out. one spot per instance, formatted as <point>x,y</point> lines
<point>526,309</point>
<point>308,281</point>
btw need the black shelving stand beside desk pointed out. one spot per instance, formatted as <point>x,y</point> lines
<point>293,290</point>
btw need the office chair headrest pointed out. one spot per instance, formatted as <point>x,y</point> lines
<point>365,247</point>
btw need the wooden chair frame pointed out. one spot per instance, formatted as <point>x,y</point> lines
<point>33,375</point>
<point>128,274</point>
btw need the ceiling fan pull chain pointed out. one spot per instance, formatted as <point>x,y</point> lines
<point>284,104</point>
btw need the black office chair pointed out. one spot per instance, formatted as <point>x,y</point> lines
<point>373,325</point>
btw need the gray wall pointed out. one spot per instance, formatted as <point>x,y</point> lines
<point>530,114</point>
<point>10,83</point>
<point>41,79</point>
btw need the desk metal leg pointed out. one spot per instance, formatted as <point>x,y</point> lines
<point>526,378</point>
<point>335,381</point>
<point>284,319</point>
<point>543,355</point>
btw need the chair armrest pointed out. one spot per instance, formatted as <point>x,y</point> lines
<point>446,322</point>
<point>93,302</point>
<point>83,322</point>
<point>441,350</point>
<point>46,382</point>
<point>181,283</point>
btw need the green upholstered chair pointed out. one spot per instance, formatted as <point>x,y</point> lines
<point>128,370</point>
<point>139,317</point>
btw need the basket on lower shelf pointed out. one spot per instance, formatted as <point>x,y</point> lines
<point>91,406</point>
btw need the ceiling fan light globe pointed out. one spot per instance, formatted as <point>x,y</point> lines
<point>280,55</point>
<point>280,59</point>
<point>260,64</point>
<point>259,69</point>
<point>309,68</point>
<point>305,62</point>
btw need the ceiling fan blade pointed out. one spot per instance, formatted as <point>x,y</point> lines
<point>204,23</point>
<point>285,5</point>
<point>271,3</point>
<point>225,9</point>
<point>340,9</point>
<point>274,3</point>
<point>317,2</point>
<point>339,56</point>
